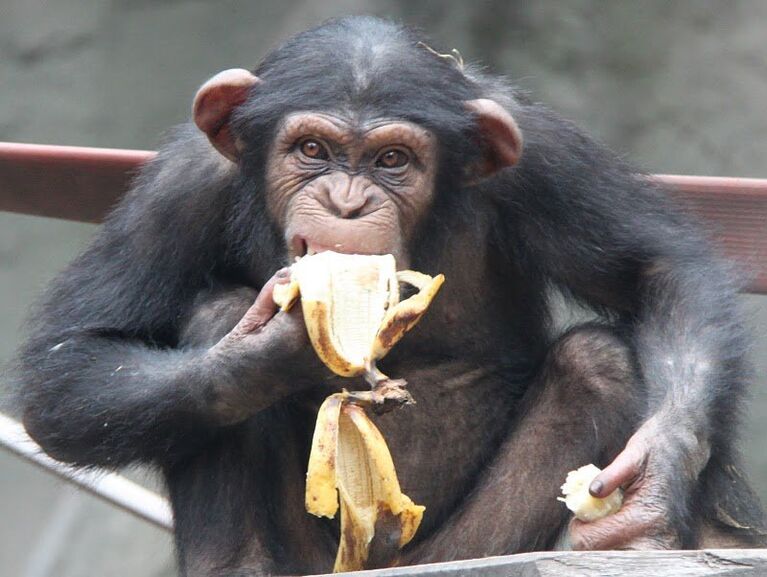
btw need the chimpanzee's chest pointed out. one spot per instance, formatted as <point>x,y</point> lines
<point>461,414</point>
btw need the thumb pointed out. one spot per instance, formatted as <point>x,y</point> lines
<point>264,308</point>
<point>624,469</point>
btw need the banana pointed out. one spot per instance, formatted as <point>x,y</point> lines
<point>352,309</point>
<point>350,462</point>
<point>579,500</point>
<point>353,314</point>
<point>321,498</point>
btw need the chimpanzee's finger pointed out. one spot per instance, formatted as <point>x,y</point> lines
<point>264,307</point>
<point>618,531</point>
<point>624,469</point>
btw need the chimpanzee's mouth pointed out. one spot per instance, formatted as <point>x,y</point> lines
<point>301,246</point>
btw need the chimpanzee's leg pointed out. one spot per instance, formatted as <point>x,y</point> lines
<point>239,505</point>
<point>582,408</point>
<point>216,507</point>
<point>728,511</point>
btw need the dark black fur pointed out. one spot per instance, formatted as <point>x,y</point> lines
<point>108,382</point>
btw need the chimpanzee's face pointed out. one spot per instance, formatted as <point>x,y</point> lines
<point>334,182</point>
<point>348,186</point>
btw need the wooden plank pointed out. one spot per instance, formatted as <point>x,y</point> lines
<point>82,184</point>
<point>708,563</point>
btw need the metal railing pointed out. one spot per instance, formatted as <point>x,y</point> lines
<point>82,184</point>
<point>110,487</point>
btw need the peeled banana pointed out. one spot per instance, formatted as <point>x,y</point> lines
<point>353,314</point>
<point>579,500</point>
<point>352,309</point>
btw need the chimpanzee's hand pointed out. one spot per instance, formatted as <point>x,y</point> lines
<point>656,470</point>
<point>265,357</point>
<point>262,317</point>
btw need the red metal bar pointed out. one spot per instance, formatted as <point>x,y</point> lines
<point>69,182</point>
<point>735,212</point>
<point>82,184</point>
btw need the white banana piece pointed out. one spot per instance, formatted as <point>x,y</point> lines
<point>579,500</point>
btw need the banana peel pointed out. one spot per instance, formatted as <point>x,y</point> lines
<point>354,316</point>
<point>350,467</point>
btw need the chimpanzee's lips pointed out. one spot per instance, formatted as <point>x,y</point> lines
<point>302,246</point>
<point>297,247</point>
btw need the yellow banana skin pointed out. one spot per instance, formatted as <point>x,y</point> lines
<point>316,314</point>
<point>285,295</point>
<point>405,315</point>
<point>351,463</point>
<point>321,498</point>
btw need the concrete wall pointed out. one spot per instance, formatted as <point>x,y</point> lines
<point>680,87</point>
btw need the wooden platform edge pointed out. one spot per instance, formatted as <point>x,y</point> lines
<point>705,563</point>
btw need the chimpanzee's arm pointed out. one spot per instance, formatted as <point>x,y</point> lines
<point>577,216</point>
<point>103,380</point>
<point>104,401</point>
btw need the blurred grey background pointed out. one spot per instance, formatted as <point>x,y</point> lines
<point>679,87</point>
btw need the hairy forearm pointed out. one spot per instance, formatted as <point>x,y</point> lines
<point>96,401</point>
<point>110,402</point>
<point>691,349</point>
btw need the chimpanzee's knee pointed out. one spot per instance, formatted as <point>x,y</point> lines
<point>728,511</point>
<point>589,392</point>
<point>593,360</point>
<point>590,373</point>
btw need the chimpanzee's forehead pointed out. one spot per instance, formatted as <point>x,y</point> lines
<point>365,67</point>
<point>346,130</point>
<point>359,63</point>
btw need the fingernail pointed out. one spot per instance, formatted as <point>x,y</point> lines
<point>596,488</point>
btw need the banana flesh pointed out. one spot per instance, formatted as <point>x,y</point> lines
<point>352,309</point>
<point>353,314</point>
<point>351,463</point>
<point>579,500</point>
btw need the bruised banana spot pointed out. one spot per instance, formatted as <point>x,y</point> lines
<point>384,548</point>
<point>390,335</point>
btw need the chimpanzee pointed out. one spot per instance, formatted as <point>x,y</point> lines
<point>160,344</point>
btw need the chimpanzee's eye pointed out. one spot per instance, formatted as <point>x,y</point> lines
<point>314,149</point>
<point>392,158</point>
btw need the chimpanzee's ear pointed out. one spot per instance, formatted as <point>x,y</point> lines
<point>213,105</point>
<point>499,135</point>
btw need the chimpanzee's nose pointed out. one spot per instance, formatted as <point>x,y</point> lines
<point>348,195</point>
